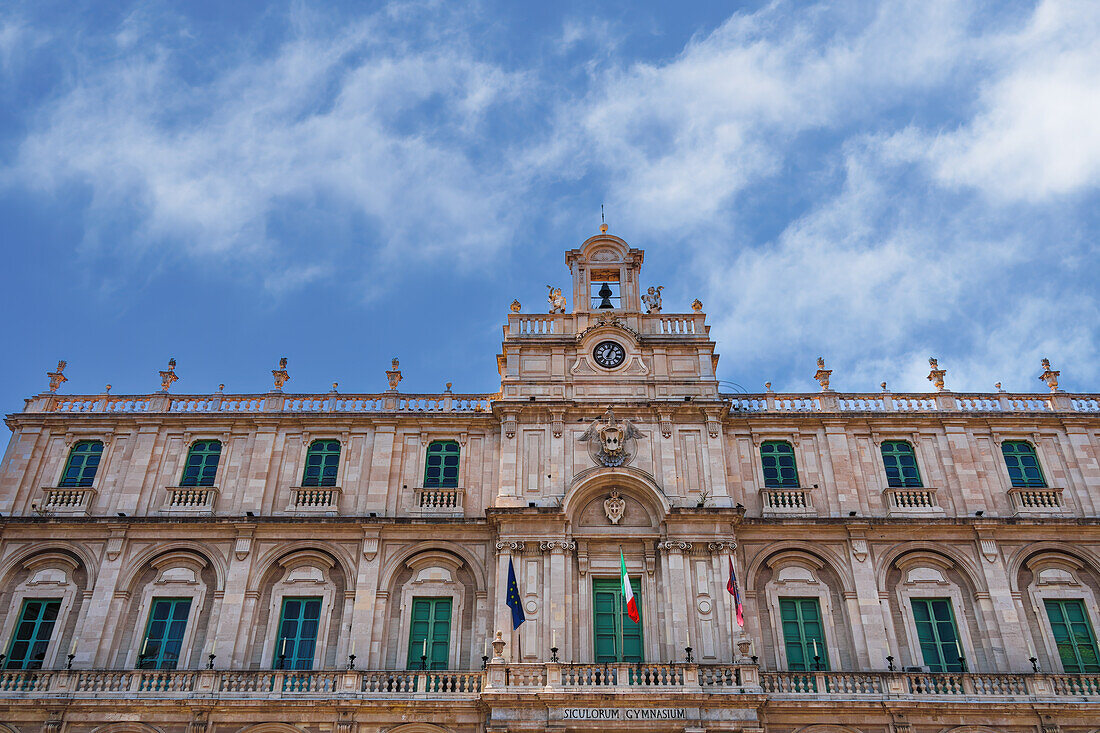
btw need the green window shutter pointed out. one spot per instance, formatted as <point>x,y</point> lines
<point>901,464</point>
<point>937,634</point>
<point>777,457</point>
<point>1074,635</point>
<point>803,634</point>
<point>83,463</point>
<point>160,649</point>
<point>297,640</point>
<point>430,633</point>
<point>322,460</point>
<point>1023,464</point>
<point>202,463</point>
<point>616,637</point>
<point>441,466</point>
<point>31,637</point>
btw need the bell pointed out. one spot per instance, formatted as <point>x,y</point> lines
<point>605,293</point>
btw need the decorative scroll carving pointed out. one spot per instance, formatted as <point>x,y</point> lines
<point>518,546</point>
<point>612,443</point>
<point>722,546</point>
<point>859,548</point>
<point>557,422</point>
<point>677,546</point>
<point>551,545</point>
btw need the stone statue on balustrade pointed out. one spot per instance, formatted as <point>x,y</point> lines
<point>652,299</point>
<point>556,299</point>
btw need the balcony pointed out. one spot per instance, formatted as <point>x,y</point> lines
<point>68,500</point>
<point>1037,502</point>
<point>911,502</point>
<point>190,499</point>
<point>439,502</point>
<point>314,499</point>
<point>788,502</point>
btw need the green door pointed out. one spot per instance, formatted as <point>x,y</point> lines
<point>164,634</point>
<point>936,632</point>
<point>430,633</point>
<point>1074,635</point>
<point>297,640</point>
<point>803,634</point>
<point>617,638</point>
<point>32,635</point>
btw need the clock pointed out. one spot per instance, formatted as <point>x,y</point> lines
<point>608,354</point>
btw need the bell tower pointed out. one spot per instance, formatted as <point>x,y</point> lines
<point>605,275</point>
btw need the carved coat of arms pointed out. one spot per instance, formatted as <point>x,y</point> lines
<point>610,442</point>
<point>614,506</point>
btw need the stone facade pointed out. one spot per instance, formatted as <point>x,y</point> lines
<point>609,435</point>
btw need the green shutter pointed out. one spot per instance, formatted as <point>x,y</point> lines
<point>322,460</point>
<point>202,463</point>
<point>803,634</point>
<point>160,649</point>
<point>31,638</point>
<point>616,637</point>
<point>937,635</point>
<point>430,633</point>
<point>1074,635</point>
<point>1023,464</point>
<point>901,464</point>
<point>441,466</point>
<point>777,459</point>
<point>297,640</point>
<point>83,463</point>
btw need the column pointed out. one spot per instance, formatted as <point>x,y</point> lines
<point>503,614</point>
<point>676,596</point>
<point>230,636</point>
<point>1009,641</point>
<point>865,608</point>
<point>366,592</point>
<point>105,605</point>
<point>379,484</point>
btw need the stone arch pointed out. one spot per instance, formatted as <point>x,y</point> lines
<point>970,729</point>
<point>136,564</point>
<point>395,563</point>
<point>271,728</point>
<point>605,241</point>
<point>828,728</point>
<point>824,554</point>
<point>1020,557</point>
<point>56,570</point>
<point>127,727</point>
<point>965,563</point>
<point>638,487</point>
<point>79,551</point>
<point>307,569</point>
<point>784,571</point>
<point>419,728</point>
<point>270,559</point>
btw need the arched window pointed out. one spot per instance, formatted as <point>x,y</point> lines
<point>777,457</point>
<point>900,464</point>
<point>83,463</point>
<point>1023,464</point>
<point>202,463</point>
<point>322,460</point>
<point>441,467</point>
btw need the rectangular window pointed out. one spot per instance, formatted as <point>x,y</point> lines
<point>322,461</point>
<point>202,463</point>
<point>617,637</point>
<point>83,463</point>
<point>441,466</point>
<point>1074,635</point>
<point>32,634</point>
<point>900,464</point>
<point>606,292</point>
<point>1023,465</point>
<point>164,633</point>
<point>430,633</point>
<point>777,457</point>
<point>297,639</point>
<point>803,634</point>
<point>937,635</point>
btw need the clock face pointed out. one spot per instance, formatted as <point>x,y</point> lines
<point>608,354</point>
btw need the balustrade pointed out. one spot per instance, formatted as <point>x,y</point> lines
<point>911,502</point>
<point>68,499</point>
<point>439,500</point>
<point>798,502</point>
<point>1037,501</point>
<point>314,499</point>
<point>190,498</point>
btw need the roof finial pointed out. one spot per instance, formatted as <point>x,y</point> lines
<point>603,222</point>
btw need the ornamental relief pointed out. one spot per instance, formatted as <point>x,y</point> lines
<point>611,442</point>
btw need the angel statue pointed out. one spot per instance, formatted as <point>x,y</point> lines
<point>652,299</point>
<point>557,300</point>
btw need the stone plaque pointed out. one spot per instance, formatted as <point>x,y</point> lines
<point>624,714</point>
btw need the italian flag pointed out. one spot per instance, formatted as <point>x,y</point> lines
<point>628,592</point>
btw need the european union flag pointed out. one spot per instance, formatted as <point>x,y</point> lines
<point>513,598</point>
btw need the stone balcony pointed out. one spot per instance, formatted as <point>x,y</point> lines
<point>439,502</point>
<point>911,502</point>
<point>787,502</point>
<point>190,499</point>
<point>314,499</point>
<point>1033,502</point>
<point>67,500</point>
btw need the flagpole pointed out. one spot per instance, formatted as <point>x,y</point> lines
<point>619,618</point>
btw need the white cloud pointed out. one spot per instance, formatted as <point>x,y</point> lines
<point>1036,134</point>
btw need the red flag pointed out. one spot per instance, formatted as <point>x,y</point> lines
<point>731,586</point>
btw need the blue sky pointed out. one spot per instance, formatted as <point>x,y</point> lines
<point>340,183</point>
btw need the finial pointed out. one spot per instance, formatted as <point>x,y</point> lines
<point>998,386</point>
<point>394,375</point>
<point>281,376</point>
<point>221,388</point>
<point>448,387</point>
<point>335,385</point>
<point>697,305</point>
<point>515,306</point>
<point>935,376</point>
<point>822,374</point>
<point>1049,376</point>
<point>106,389</point>
<point>603,222</point>
<point>768,386</point>
<point>168,376</point>
<point>883,385</point>
<point>57,378</point>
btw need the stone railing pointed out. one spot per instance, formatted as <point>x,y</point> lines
<point>911,502</point>
<point>775,402</point>
<point>314,499</point>
<point>67,499</point>
<point>272,402</point>
<point>928,685</point>
<point>185,499</point>
<point>797,502</point>
<point>569,324</point>
<point>438,500</point>
<point>1037,501</point>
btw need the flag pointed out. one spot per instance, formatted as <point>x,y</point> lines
<point>628,592</point>
<point>513,601</point>
<point>731,586</point>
